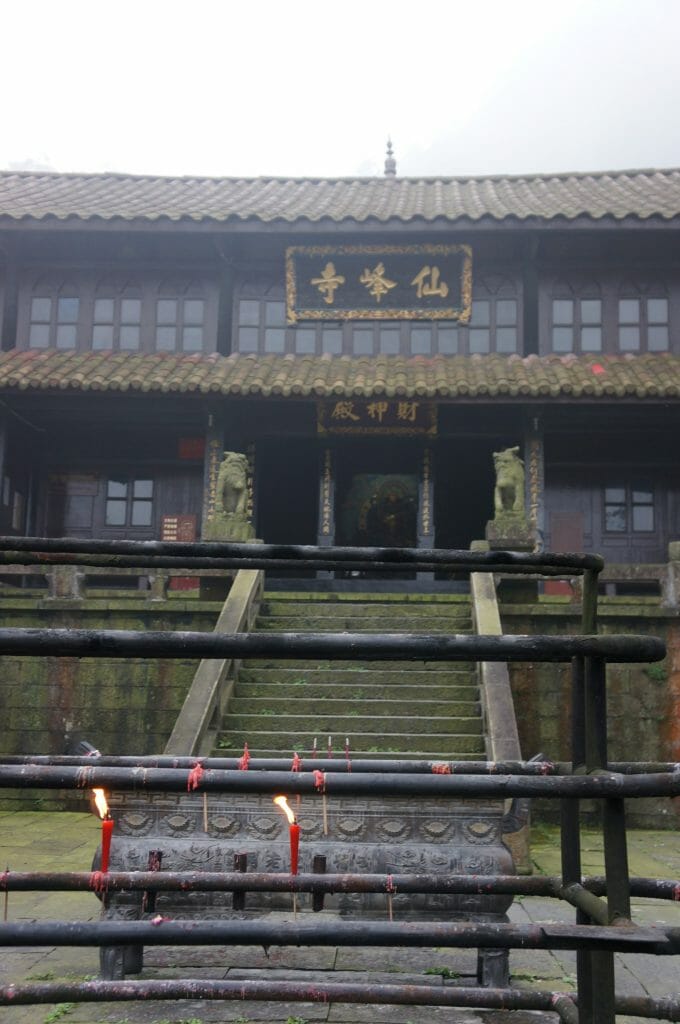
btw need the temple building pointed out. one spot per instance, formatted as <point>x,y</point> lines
<point>367,344</point>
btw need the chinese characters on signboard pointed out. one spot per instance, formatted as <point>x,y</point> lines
<point>416,282</point>
<point>179,528</point>
<point>377,416</point>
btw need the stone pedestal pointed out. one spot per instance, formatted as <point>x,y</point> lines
<point>509,531</point>
<point>229,527</point>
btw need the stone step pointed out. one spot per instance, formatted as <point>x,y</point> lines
<point>340,611</point>
<point>365,755</point>
<point>439,744</point>
<point>447,674</point>
<point>318,723</point>
<point>415,604</point>
<point>369,623</point>
<point>257,664</point>
<point>304,705</point>
<point>308,689</point>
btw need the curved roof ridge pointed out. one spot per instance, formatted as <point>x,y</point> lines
<point>625,172</point>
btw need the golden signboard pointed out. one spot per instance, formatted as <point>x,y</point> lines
<point>377,416</point>
<point>378,282</point>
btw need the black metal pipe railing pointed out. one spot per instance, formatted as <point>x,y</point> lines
<point>237,881</point>
<point>325,764</point>
<point>600,785</point>
<point>216,555</point>
<point>561,1003</point>
<point>86,643</point>
<point>660,940</point>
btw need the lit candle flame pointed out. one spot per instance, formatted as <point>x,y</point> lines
<point>101,803</point>
<point>281,802</point>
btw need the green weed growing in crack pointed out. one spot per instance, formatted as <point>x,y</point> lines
<point>59,1011</point>
<point>443,972</point>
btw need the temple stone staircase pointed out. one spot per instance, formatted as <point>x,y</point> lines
<point>426,710</point>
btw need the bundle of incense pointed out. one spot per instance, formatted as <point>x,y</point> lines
<point>314,749</point>
<point>330,746</point>
<point>347,757</point>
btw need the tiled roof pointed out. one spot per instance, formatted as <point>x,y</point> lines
<point>479,377</point>
<point>620,194</point>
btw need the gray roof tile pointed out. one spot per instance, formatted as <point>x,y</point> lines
<point>603,378</point>
<point>639,194</point>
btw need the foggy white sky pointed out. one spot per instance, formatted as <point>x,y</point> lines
<point>313,87</point>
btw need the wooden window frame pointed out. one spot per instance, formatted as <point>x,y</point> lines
<point>629,503</point>
<point>130,500</point>
<point>88,286</point>
<point>578,295</point>
<point>643,323</point>
<point>56,295</point>
<point>317,334</point>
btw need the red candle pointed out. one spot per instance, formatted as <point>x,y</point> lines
<point>107,829</point>
<point>294,847</point>
<point>293,831</point>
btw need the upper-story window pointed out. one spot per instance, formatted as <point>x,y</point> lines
<point>643,319</point>
<point>53,316</point>
<point>260,327</point>
<point>180,318</point>
<point>584,316</point>
<point>576,319</point>
<point>119,314</point>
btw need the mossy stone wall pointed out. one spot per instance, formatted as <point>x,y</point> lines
<point>122,705</point>
<point>643,701</point>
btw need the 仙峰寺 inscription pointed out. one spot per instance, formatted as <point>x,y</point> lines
<point>414,282</point>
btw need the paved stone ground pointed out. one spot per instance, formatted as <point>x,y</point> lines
<point>58,841</point>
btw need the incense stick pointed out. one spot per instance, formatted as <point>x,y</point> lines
<point>205,812</point>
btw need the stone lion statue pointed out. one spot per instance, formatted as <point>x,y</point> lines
<point>229,521</point>
<point>509,490</point>
<point>232,488</point>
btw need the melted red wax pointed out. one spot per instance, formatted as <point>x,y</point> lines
<point>243,761</point>
<point>195,776</point>
<point>319,780</point>
<point>99,881</point>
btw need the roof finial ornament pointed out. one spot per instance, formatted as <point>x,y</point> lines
<point>390,162</point>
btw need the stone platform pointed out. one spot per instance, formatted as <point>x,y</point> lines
<point>52,841</point>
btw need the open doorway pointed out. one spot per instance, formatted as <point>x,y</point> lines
<point>463,490</point>
<point>287,490</point>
